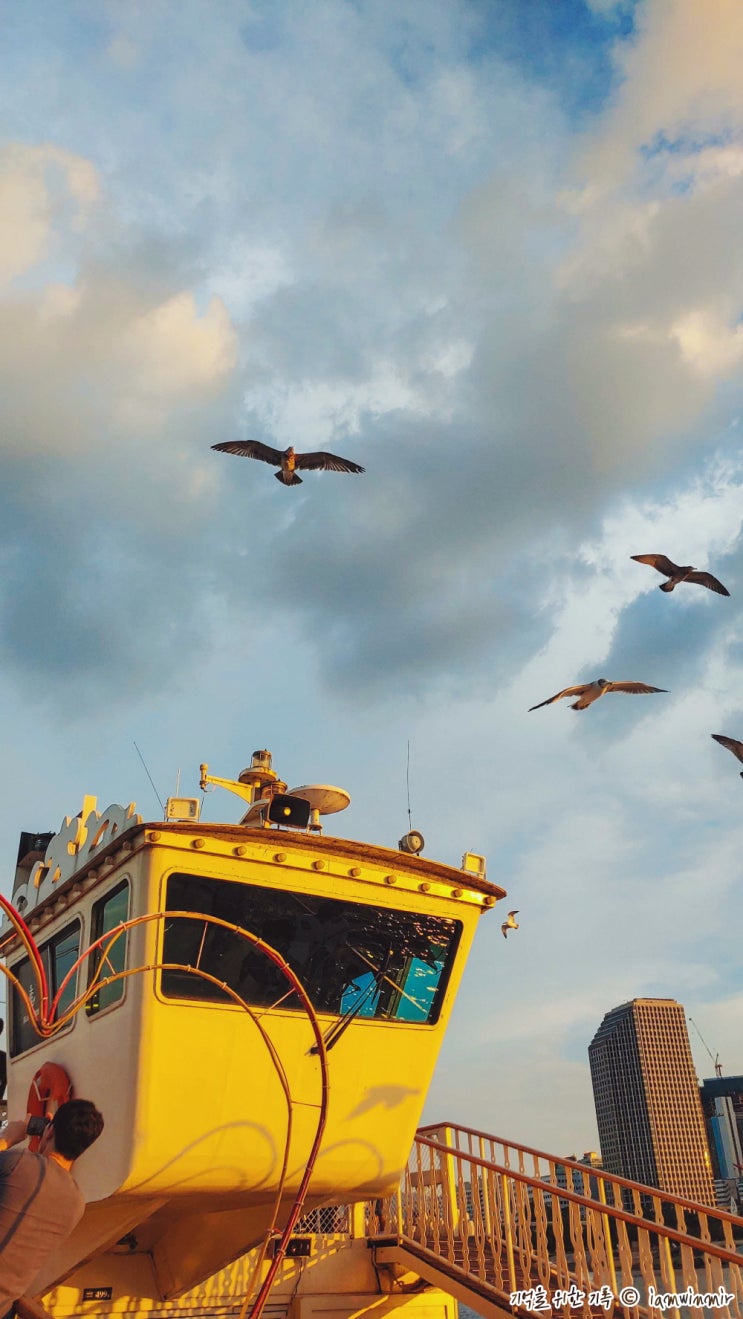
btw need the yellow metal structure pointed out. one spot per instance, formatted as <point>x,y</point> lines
<point>502,1228</point>
<point>258,1011</point>
<point>211,1108</point>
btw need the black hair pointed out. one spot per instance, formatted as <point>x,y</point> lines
<point>76,1125</point>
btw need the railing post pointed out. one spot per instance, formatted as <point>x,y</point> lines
<point>665,1245</point>
<point>609,1243</point>
<point>449,1179</point>
<point>508,1231</point>
<point>483,1193</point>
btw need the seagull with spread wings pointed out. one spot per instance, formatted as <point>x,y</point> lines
<point>588,692</point>
<point>288,460</point>
<point>675,574</point>
<point>510,923</point>
<point>732,745</point>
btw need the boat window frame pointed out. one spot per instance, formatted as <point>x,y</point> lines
<point>442,987</point>
<point>14,1001</point>
<point>92,1011</point>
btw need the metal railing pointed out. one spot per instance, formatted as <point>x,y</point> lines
<point>328,1220</point>
<point>531,1232</point>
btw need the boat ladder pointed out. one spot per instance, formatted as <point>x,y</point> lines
<point>508,1229</point>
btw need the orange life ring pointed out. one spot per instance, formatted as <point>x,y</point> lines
<point>50,1086</point>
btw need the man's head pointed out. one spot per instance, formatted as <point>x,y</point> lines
<point>73,1128</point>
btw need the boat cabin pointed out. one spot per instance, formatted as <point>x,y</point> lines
<point>164,942</point>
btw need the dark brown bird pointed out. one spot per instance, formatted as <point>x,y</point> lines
<point>731,744</point>
<point>675,574</point>
<point>588,692</point>
<point>288,460</point>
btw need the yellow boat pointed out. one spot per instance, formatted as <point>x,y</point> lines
<point>257,1009</point>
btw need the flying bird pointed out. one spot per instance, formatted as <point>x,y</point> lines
<point>288,460</point>
<point>510,923</point>
<point>675,574</point>
<point>731,744</point>
<point>588,692</point>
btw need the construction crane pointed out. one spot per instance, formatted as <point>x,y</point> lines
<point>715,1057</point>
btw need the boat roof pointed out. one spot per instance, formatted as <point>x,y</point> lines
<point>140,834</point>
<point>349,847</point>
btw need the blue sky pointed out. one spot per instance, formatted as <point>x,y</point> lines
<point>448,241</point>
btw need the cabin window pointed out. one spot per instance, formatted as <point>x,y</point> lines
<point>58,955</point>
<point>352,958</point>
<point>63,952</point>
<point>108,912</point>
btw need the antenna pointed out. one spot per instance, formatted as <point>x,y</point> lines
<point>715,1057</point>
<point>411,842</point>
<point>147,772</point>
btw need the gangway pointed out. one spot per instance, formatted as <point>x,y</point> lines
<point>508,1229</point>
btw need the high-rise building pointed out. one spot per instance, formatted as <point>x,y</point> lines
<point>646,1094</point>
<point>722,1107</point>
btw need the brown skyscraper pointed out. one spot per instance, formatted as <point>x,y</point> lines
<point>646,1094</point>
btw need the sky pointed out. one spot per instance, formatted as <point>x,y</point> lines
<point>491,251</point>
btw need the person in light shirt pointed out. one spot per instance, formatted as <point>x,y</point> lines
<point>40,1201</point>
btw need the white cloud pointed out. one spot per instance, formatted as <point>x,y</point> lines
<point>113,360</point>
<point>709,343</point>
<point>308,413</point>
<point>680,78</point>
<point>31,201</point>
<point>173,350</point>
<point>249,273</point>
<point>58,301</point>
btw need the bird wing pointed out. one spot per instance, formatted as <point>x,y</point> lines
<point>638,688</point>
<point>504,929</point>
<point>514,913</point>
<point>568,691</point>
<point>325,462</point>
<point>731,743</point>
<point>657,561</point>
<point>706,579</point>
<point>251,449</point>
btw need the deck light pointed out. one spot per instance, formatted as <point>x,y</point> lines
<point>474,864</point>
<point>182,808</point>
